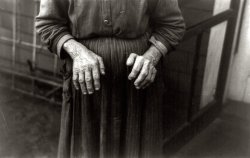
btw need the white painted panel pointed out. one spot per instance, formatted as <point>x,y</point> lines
<point>239,85</point>
<point>215,47</point>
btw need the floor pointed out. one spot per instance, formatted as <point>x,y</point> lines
<point>29,129</point>
<point>227,137</point>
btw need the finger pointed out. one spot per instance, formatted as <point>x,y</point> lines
<point>145,86</point>
<point>152,78</point>
<point>82,82</point>
<point>101,65</point>
<point>136,68</point>
<point>89,81</point>
<point>131,59</point>
<point>148,78</point>
<point>143,74</point>
<point>75,79</point>
<point>96,78</point>
<point>154,74</point>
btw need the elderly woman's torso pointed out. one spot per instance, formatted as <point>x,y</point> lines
<point>126,19</point>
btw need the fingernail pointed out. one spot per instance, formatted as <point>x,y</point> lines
<point>85,93</point>
<point>90,92</point>
<point>97,89</point>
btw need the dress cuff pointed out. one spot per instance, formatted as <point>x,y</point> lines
<point>159,45</point>
<point>59,44</point>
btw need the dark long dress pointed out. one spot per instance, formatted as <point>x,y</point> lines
<point>117,121</point>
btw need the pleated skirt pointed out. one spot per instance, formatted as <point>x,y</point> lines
<point>118,121</point>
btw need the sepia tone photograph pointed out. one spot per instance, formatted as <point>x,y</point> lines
<point>124,78</point>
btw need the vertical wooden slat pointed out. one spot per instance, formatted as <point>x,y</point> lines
<point>195,107</point>
<point>14,30</point>
<point>34,47</point>
<point>55,65</point>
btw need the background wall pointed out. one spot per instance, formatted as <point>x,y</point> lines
<point>24,35</point>
<point>239,84</point>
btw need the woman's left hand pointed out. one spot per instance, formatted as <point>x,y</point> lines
<point>144,70</point>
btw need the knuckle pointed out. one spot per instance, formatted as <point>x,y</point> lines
<point>97,86</point>
<point>89,51</point>
<point>133,54</point>
<point>81,71</point>
<point>152,71</point>
<point>83,90</point>
<point>81,81</point>
<point>89,87</point>
<point>146,61</point>
<point>76,69</point>
<point>97,77</point>
<point>88,79</point>
<point>85,67</point>
<point>136,71</point>
<point>140,58</point>
<point>100,58</point>
<point>95,62</point>
<point>144,74</point>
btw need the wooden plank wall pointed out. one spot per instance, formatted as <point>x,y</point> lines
<point>25,23</point>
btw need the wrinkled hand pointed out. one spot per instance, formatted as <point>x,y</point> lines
<point>87,67</point>
<point>143,70</point>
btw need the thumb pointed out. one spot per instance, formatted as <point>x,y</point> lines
<point>131,59</point>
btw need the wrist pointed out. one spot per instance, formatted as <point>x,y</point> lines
<point>153,54</point>
<point>73,48</point>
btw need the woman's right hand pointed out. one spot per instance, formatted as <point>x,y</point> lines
<point>87,67</point>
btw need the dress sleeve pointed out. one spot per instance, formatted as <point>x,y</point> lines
<point>52,24</point>
<point>167,25</point>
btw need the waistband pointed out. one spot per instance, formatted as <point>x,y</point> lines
<point>104,44</point>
